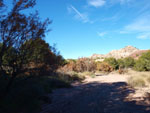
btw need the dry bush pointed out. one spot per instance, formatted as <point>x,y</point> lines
<point>122,71</point>
<point>85,64</point>
<point>80,65</point>
<point>136,81</point>
<point>104,67</point>
<point>69,66</point>
<point>134,75</point>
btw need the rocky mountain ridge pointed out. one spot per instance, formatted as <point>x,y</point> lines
<point>121,53</point>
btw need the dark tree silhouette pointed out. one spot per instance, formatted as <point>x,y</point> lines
<point>41,56</point>
<point>15,29</point>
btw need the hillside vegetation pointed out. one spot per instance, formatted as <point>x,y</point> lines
<point>108,64</point>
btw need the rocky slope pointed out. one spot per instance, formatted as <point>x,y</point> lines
<point>121,53</point>
<point>137,54</point>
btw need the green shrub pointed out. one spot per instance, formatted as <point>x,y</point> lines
<point>121,63</point>
<point>126,62</point>
<point>112,62</point>
<point>129,62</point>
<point>143,63</point>
<point>140,65</point>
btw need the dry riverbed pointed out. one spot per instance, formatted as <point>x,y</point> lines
<point>101,94</point>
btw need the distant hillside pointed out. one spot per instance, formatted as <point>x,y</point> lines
<point>121,53</point>
<point>137,54</point>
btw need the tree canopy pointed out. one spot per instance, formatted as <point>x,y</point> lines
<point>22,41</point>
<point>143,63</point>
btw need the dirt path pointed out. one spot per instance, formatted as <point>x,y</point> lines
<point>102,94</point>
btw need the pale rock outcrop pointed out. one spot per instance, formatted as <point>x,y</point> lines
<point>121,53</point>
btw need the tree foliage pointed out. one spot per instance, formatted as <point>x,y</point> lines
<point>40,52</point>
<point>121,63</point>
<point>112,62</point>
<point>129,62</point>
<point>17,28</point>
<point>22,41</point>
<point>143,63</point>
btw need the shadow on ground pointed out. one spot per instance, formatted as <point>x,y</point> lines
<point>95,98</point>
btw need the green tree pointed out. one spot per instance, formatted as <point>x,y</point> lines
<point>129,62</point>
<point>143,63</point>
<point>121,63</point>
<point>17,28</point>
<point>112,62</point>
<point>41,53</point>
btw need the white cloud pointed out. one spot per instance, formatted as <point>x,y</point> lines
<point>144,36</point>
<point>78,15</point>
<point>101,34</point>
<point>140,26</point>
<point>96,3</point>
<point>115,17</point>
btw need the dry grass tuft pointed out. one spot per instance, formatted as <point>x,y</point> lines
<point>136,82</point>
<point>87,73</point>
<point>139,79</point>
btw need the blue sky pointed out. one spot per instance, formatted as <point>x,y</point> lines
<point>83,27</point>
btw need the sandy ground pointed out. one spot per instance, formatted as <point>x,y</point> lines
<point>102,94</point>
<point>111,78</point>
